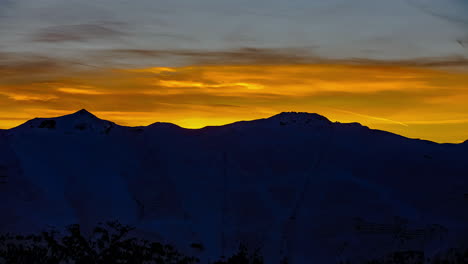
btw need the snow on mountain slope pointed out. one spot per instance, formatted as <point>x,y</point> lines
<point>295,185</point>
<point>80,121</point>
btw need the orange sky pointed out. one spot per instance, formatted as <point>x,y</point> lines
<point>399,66</point>
<point>411,100</point>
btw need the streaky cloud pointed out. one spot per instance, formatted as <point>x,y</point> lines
<point>277,56</point>
<point>80,32</point>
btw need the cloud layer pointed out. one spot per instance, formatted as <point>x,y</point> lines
<point>418,98</point>
<point>398,65</point>
<point>376,29</point>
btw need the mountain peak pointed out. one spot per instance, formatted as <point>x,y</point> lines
<point>300,117</point>
<point>83,112</point>
<point>80,121</point>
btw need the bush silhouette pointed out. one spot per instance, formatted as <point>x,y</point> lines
<point>243,257</point>
<point>451,256</point>
<point>108,243</point>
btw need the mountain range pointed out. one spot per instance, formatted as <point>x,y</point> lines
<point>294,186</point>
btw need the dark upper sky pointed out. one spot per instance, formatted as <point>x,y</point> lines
<point>379,29</point>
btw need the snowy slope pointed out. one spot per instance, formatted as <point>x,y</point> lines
<point>295,185</point>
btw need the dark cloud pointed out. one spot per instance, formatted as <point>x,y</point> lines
<point>174,36</point>
<point>5,5</point>
<point>455,61</point>
<point>22,63</point>
<point>463,42</point>
<point>81,32</point>
<point>234,56</point>
<point>210,25</point>
<point>32,63</point>
<point>457,15</point>
<point>260,56</point>
<point>18,64</point>
<point>459,18</point>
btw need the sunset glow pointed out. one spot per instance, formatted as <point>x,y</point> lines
<point>400,66</point>
<point>411,101</point>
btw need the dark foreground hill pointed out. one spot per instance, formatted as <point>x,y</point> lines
<point>295,186</point>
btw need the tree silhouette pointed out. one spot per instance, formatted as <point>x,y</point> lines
<point>107,243</point>
<point>243,257</point>
<point>110,243</point>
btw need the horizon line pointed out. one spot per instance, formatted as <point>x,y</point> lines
<point>84,111</point>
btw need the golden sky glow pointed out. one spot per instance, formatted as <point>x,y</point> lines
<point>418,102</point>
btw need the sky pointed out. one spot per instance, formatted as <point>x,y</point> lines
<point>399,65</point>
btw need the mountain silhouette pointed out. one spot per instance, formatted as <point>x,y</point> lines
<point>296,185</point>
